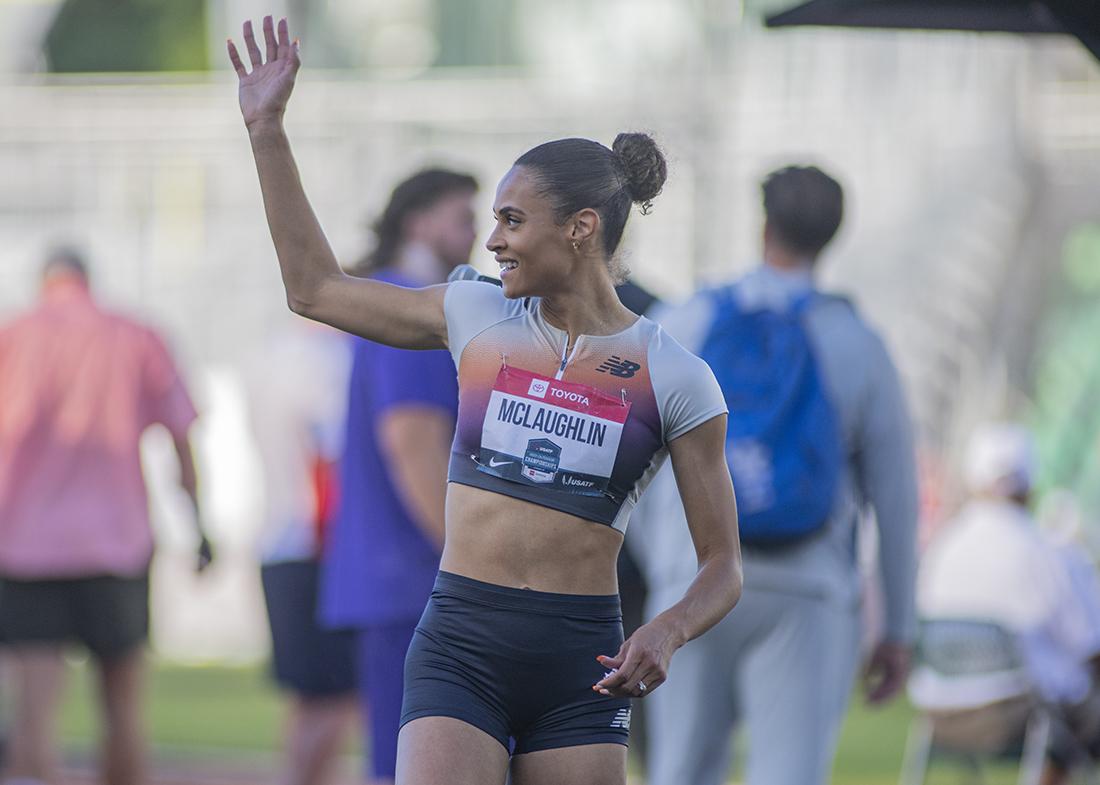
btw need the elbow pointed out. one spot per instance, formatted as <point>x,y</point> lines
<point>303,305</point>
<point>729,578</point>
<point>298,305</point>
<point>305,297</point>
<point>737,582</point>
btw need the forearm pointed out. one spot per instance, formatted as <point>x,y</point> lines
<point>420,479</point>
<point>305,258</point>
<point>189,479</point>
<point>898,567</point>
<point>888,468</point>
<point>713,594</point>
<point>421,485</point>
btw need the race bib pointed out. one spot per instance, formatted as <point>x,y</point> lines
<point>546,432</point>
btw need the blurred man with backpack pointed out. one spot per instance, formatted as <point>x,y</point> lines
<point>818,433</point>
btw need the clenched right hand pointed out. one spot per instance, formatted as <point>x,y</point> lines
<point>264,92</point>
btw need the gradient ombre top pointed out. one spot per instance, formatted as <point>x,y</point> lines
<point>583,433</point>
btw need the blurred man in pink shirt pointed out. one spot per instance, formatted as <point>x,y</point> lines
<point>78,386</point>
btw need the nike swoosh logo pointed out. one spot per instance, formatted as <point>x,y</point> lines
<point>493,463</point>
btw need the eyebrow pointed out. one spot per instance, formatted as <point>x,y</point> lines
<point>508,209</point>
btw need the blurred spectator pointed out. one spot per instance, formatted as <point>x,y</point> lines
<point>79,386</point>
<point>297,398</point>
<point>383,555</point>
<point>992,563</point>
<point>785,658</point>
<point>1060,519</point>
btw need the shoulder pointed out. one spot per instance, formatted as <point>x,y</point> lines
<point>665,350</point>
<point>480,295</point>
<point>470,307</point>
<point>685,388</point>
<point>689,321</point>
<point>840,312</point>
<point>840,331</point>
<point>136,333</point>
<point>19,322</point>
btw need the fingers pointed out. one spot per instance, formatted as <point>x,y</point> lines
<point>613,682</point>
<point>250,44</point>
<point>632,667</point>
<point>886,684</point>
<point>235,59</point>
<point>284,33</point>
<point>611,662</point>
<point>618,684</point>
<point>269,39</point>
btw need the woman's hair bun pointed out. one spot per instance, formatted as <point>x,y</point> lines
<point>644,165</point>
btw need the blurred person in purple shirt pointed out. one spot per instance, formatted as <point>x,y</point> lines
<point>383,554</point>
<point>80,384</point>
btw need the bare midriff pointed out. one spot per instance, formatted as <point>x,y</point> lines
<point>510,542</point>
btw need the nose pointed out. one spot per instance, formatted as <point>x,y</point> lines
<point>495,243</point>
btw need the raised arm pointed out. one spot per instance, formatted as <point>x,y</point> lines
<point>315,285</point>
<point>698,460</point>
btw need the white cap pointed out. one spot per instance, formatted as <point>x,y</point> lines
<point>1000,459</point>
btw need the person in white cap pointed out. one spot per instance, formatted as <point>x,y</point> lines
<point>993,563</point>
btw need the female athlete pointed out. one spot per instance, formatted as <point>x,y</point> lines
<point>568,405</point>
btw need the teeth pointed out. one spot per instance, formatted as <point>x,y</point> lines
<point>508,265</point>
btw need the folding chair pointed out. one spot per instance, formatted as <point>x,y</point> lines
<point>986,708</point>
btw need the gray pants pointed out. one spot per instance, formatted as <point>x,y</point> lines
<point>784,664</point>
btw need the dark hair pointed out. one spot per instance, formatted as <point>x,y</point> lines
<point>419,192</point>
<point>65,259</point>
<point>578,173</point>
<point>804,206</point>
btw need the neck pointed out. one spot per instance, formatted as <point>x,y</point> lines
<point>64,286</point>
<point>420,263</point>
<point>588,308</point>
<point>786,260</point>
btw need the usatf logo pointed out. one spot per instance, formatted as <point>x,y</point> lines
<point>538,388</point>
<point>617,366</point>
<point>622,719</point>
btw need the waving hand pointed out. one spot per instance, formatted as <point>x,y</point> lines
<point>315,286</point>
<point>264,92</point>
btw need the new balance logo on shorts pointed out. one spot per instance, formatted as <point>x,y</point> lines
<point>622,719</point>
<point>617,366</point>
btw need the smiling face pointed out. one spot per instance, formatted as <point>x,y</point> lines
<point>535,252</point>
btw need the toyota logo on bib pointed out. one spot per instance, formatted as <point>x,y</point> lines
<point>538,388</point>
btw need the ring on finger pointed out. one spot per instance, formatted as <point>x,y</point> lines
<point>641,687</point>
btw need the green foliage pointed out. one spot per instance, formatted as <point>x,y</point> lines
<point>1081,256</point>
<point>128,35</point>
<point>476,32</point>
<point>1066,414</point>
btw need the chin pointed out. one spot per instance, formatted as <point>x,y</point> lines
<point>513,289</point>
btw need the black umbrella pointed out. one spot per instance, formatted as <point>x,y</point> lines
<point>1075,17</point>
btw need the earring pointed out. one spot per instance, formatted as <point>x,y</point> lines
<point>576,246</point>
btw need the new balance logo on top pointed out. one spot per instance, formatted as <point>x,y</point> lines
<point>617,366</point>
<point>622,719</point>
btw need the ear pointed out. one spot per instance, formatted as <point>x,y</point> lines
<point>583,226</point>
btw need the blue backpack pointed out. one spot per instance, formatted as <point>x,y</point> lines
<point>783,444</point>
